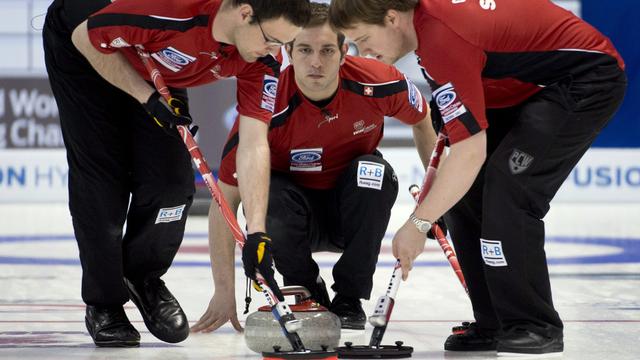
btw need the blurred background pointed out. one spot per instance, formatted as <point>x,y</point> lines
<point>32,158</point>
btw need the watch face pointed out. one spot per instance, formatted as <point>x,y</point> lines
<point>422,225</point>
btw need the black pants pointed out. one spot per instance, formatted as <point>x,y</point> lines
<point>121,167</point>
<point>497,228</point>
<point>348,218</point>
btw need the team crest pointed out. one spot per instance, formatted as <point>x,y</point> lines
<point>519,161</point>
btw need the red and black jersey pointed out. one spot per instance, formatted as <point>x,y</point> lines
<point>497,53</point>
<point>177,35</point>
<point>314,145</point>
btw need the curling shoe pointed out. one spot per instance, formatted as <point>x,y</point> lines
<point>350,312</point>
<point>471,338</point>
<point>110,327</point>
<point>523,342</point>
<point>160,310</point>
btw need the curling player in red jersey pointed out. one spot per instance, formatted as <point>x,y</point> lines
<point>522,88</point>
<point>330,188</point>
<point>122,164</point>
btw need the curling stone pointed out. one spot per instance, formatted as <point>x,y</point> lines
<point>320,327</point>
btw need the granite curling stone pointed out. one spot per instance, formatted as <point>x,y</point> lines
<point>320,327</point>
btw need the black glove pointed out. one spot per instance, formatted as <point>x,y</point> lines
<point>256,256</point>
<point>168,114</point>
<point>442,225</point>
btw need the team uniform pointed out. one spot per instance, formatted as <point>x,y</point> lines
<point>114,148</point>
<point>330,188</point>
<point>543,87</point>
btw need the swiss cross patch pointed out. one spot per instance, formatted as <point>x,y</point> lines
<point>368,90</point>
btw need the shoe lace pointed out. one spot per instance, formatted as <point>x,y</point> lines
<point>157,286</point>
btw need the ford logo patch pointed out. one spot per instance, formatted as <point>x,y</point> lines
<point>175,57</point>
<point>271,88</point>
<point>445,98</point>
<point>306,157</point>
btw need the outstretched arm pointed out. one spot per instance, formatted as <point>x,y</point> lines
<point>253,164</point>
<point>455,177</point>
<point>222,306</point>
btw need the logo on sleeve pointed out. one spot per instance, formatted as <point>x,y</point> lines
<point>448,103</point>
<point>269,91</point>
<point>119,43</point>
<point>306,160</point>
<point>370,175</point>
<point>167,215</point>
<point>368,91</point>
<point>173,59</point>
<point>415,97</point>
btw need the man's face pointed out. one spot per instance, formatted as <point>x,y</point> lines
<point>316,58</point>
<point>263,37</point>
<point>384,43</point>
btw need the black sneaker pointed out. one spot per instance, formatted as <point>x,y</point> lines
<point>470,337</point>
<point>160,311</point>
<point>519,342</point>
<point>110,327</point>
<point>350,312</point>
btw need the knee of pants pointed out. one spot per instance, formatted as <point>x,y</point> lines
<point>164,195</point>
<point>372,177</point>
<point>286,198</point>
<point>506,195</point>
<point>288,211</point>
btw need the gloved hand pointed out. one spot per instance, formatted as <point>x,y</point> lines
<point>256,256</point>
<point>168,114</point>
<point>442,225</point>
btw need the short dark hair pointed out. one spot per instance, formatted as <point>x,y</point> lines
<point>297,12</point>
<point>319,17</point>
<point>343,14</point>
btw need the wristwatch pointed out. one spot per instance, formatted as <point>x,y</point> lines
<point>423,225</point>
